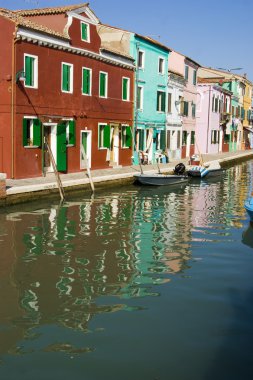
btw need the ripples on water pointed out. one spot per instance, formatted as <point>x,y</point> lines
<point>163,263</point>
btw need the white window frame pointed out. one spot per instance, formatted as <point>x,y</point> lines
<point>141,98</point>
<point>71,77</point>
<point>106,85</point>
<point>99,125</point>
<point>128,89</point>
<point>90,70</point>
<point>123,127</point>
<point>160,103</point>
<point>143,59</point>
<point>161,59</point>
<point>35,70</point>
<point>88,31</point>
<point>66,121</point>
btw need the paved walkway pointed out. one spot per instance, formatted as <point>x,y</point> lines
<point>19,186</point>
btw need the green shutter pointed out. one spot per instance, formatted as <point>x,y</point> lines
<point>61,152</point>
<point>125,88</point>
<point>163,101</point>
<point>65,77</point>
<point>194,77</point>
<point>163,140</point>
<point>84,32</point>
<point>102,85</point>
<point>86,81</point>
<point>141,139</point>
<point>28,71</point>
<point>72,132</point>
<point>24,132</point>
<point>128,137</point>
<point>37,132</point>
<point>107,136</point>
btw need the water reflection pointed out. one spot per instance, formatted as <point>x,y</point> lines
<point>59,262</point>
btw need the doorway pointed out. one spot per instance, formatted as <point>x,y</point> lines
<point>50,138</point>
<point>85,142</point>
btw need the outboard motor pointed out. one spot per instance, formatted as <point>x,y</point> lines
<point>179,169</point>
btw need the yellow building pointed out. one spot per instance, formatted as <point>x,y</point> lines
<point>247,100</point>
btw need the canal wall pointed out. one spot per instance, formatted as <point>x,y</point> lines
<point>20,191</point>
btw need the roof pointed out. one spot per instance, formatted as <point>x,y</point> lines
<point>155,42</point>
<point>26,23</point>
<point>227,74</point>
<point>176,73</point>
<point>51,10</point>
<point>117,52</point>
<point>191,60</point>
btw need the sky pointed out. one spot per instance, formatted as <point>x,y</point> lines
<point>214,33</point>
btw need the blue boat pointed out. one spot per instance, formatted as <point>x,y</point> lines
<point>249,208</point>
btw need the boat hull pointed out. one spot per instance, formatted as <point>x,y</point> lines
<point>210,174</point>
<point>249,208</point>
<point>160,179</point>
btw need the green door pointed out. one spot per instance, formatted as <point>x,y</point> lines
<point>61,149</point>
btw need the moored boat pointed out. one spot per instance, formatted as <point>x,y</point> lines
<point>213,169</point>
<point>249,208</point>
<point>158,179</point>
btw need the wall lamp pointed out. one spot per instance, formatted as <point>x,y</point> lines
<point>20,76</point>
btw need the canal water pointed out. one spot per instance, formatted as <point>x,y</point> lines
<point>134,283</point>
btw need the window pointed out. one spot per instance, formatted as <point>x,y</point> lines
<point>160,107</point>
<point>181,105</point>
<point>178,139</point>
<point>161,65</point>
<point>140,98</point>
<point>186,74</point>
<point>125,88</point>
<point>126,137</point>
<point>186,106</point>
<point>213,103</point>
<point>104,132</point>
<point>184,138</point>
<point>192,137</point>
<point>70,132</point>
<point>168,139</point>
<point>140,136</point>
<point>86,81</point>
<point>194,78</point>
<point>193,110</point>
<point>214,137</point>
<point>216,104</point>
<point>31,71</point>
<point>31,132</point>
<point>141,59</point>
<point>169,102</point>
<point>67,78</point>
<point>103,82</point>
<point>85,32</point>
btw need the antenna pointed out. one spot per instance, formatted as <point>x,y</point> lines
<point>229,70</point>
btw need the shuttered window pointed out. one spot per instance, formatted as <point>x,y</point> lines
<point>186,106</point>
<point>104,136</point>
<point>67,77</point>
<point>31,71</point>
<point>86,87</point>
<point>160,101</point>
<point>31,132</point>
<point>184,138</point>
<point>141,133</point>
<point>103,79</point>
<point>186,74</point>
<point>85,32</point>
<point>125,88</point>
<point>193,110</point>
<point>126,137</point>
<point>70,132</point>
<point>194,78</point>
<point>192,137</point>
<point>169,102</point>
<point>140,98</point>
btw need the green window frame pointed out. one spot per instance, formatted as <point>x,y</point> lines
<point>126,136</point>
<point>103,82</point>
<point>104,136</point>
<point>32,136</point>
<point>161,97</point>
<point>85,32</point>
<point>125,88</point>
<point>31,71</point>
<point>86,81</point>
<point>67,77</point>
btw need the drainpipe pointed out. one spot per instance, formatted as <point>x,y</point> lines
<point>13,93</point>
<point>208,119</point>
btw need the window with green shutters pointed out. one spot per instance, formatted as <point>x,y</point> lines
<point>103,79</point>
<point>70,132</point>
<point>161,96</point>
<point>141,137</point>
<point>192,137</point>
<point>85,32</point>
<point>126,137</point>
<point>31,71</point>
<point>184,138</point>
<point>67,77</point>
<point>194,79</point>
<point>125,88</point>
<point>186,73</point>
<point>186,107</point>
<point>31,132</point>
<point>86,86</point>
<point>193,110</point>
<point>104,132</point>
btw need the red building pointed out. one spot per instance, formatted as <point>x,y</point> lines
<point>58,86</point>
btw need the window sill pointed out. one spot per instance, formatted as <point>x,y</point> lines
<point>31,146</point>
<point>102,148</point>
<point>70,145</point>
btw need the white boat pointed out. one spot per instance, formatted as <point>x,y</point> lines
<point>160,179</point>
